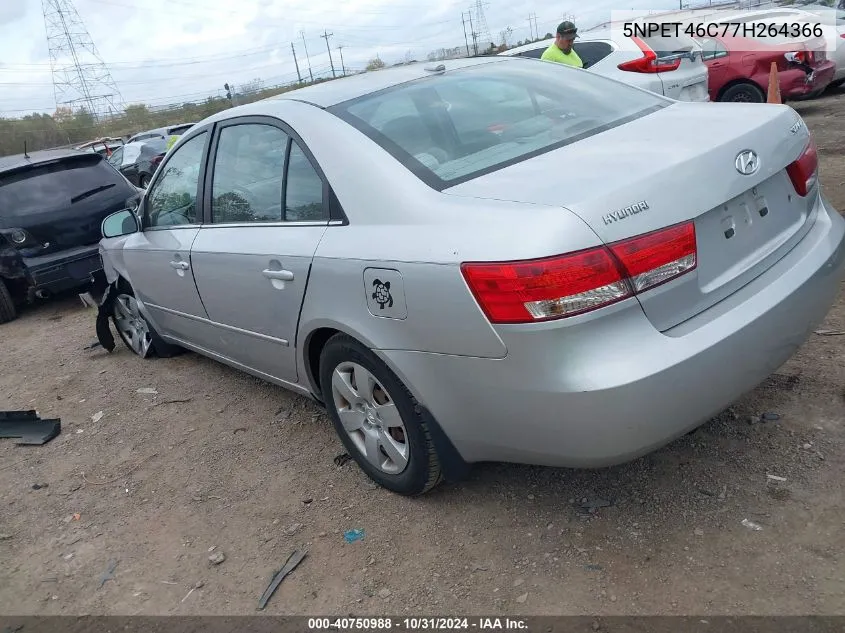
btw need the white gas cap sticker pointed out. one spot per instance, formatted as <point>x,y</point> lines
<point>385,291</point>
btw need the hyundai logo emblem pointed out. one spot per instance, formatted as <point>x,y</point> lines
<point>747,162</point>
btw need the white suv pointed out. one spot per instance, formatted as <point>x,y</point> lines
<point>668,66</point>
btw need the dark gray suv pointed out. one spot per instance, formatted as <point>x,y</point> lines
<point>51,206</point>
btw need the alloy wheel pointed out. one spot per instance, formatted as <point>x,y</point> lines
<point>131,325</point>
<point>370,417</point>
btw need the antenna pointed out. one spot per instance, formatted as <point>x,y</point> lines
<point>81,78</point>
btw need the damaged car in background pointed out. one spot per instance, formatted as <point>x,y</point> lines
<point>52,203</point>
<point>404,248</point>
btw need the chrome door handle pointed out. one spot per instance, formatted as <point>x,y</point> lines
<point>180,265</point>
<point>281,275</point>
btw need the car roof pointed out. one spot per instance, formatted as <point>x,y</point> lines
<point>17,161</point>
<point>583,36</point>
<point>330,93</point>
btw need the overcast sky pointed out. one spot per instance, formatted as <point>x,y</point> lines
<point>172,51</point>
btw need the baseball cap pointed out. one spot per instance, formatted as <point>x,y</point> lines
<point>567,29</point>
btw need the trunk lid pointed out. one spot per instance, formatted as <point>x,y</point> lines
<point>677,165</point>
<point>688,82</point>
<point>60,204</point>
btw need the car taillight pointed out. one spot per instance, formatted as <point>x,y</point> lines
<point>799,57</point>
<point>648,63</point>
<point>654,258</point>
<point>804,171</point>
<point>575,283</point>
<point>156,160</point>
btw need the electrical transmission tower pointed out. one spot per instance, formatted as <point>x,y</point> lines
<point>480,29</point>
<point>81,78</point>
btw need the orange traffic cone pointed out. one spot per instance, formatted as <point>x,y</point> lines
<point>774,85</point>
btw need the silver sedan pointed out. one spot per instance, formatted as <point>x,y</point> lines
<point>488,260</point>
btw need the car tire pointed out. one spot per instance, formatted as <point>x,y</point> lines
<point>384,419</point>
<point>743,93</point>
<point>134,330</point>
<point>8,312</point>
<point>143,181</point>
<point>836,84</point>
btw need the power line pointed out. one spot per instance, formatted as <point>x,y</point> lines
<point>342,64</point>
<point>310,74</point>
<point>464,24</point>
<point>296,63</point>
<point>326,35</point>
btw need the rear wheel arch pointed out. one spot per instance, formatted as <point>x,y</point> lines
<point>316,340</point>
<point>452,464</point>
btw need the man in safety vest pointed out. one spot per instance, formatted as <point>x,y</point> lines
<point>560,50</point>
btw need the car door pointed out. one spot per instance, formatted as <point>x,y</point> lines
<point>158,258</point>
<point>715,55</point>
<point>267,209</point>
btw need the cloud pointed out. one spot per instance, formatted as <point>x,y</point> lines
<point>173,51</point>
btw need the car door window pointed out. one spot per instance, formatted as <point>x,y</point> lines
<point>247,178</point>
<point>172,200</point>
<point>303,188</point>
<point>537,53</point>
<point>712,49</point>
<point>592,52</point>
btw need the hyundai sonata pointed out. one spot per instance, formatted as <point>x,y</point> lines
<point>487,260</point>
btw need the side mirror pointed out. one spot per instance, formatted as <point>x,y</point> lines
<point>120,223</point>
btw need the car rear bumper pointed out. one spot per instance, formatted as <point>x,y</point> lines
<point>612,388</point>
<point>796,82</point>
<point>65,270</point>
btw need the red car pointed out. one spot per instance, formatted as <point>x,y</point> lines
<point>739,68</point>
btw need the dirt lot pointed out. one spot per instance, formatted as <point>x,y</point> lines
<point>219,459</point>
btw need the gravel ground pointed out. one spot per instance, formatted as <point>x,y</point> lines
<point>216,459</point>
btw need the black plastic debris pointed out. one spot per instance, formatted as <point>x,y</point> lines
<point>340,460</point>
<point>28,428</point>
<point>290,564</point>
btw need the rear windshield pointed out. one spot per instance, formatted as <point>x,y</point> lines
<point>667,46</point>
<point>54,185</point>
<point>453,127</point>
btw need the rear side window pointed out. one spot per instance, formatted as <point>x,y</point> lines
<point>537,53</point>
<point>472,121</point>
<point>592,52</point>
<point>56,185</point>
<point>712,49</point>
